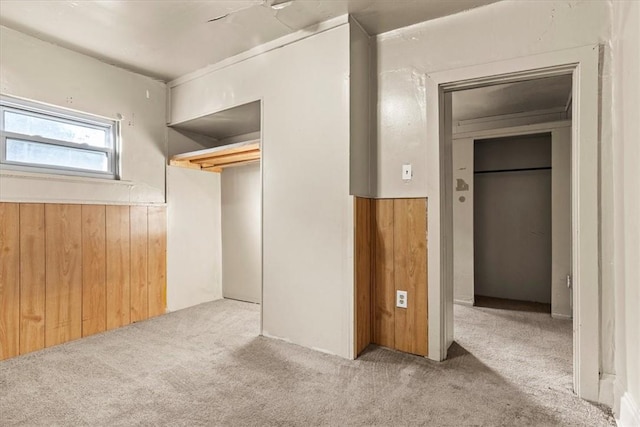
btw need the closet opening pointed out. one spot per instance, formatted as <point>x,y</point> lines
<point>512,222</point>
<point>231,148</point>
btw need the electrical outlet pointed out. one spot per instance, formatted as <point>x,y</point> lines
<point>401,299</point>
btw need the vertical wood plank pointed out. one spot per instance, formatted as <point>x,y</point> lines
<point>94,274</point>
<point>9,280</point>
<point>157,223</point>
<point>383,272</point>
<point>410,259</point>
<point>63,302</point>
<point>139,264</point>
<point>363,273</point>
<point>118,258</point>
<point>32,277</point>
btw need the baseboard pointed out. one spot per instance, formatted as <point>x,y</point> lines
<point>629,412</point>
<point>318,349</point>
<point>561,316</point>
<point>468,303</point>
<point>605,393</point>
<point>241,298</point>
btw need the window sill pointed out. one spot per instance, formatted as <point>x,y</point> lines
<point>12,173</point>
<point>33,187</point>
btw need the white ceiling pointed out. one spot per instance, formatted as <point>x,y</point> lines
<point>169,38</point>
<point>510,98</point>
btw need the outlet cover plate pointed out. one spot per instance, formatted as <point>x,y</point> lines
<point>401,299</point>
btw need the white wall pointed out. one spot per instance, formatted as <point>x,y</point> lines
<point>180,142</point>
<point>498,31</point>
<point>463,202</point>
<point>491,33</point>
<point>33,69</point>
<point>194,241</point>
<point>626,158</point>
<point>40,71</point>
<point>359,123</point>
<point>561,251</point>
<point>241,233</point>
<point>307,210</point>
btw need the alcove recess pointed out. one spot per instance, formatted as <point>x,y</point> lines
<point>390,256</point>
<point>229,138</point>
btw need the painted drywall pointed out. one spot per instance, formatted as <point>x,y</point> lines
<point>404,56</point>
<point>40,71</point>
<point>495,32</point>
<point>194,240</point>
<point>463,260</point>
<point>359,114</point>
<point>307,210</point>
<point>524,98</point>
<point>514,152</point>
<point>626,206</point>
<point>241,234</point>
<point>561,251</point>
<point>181,141</point>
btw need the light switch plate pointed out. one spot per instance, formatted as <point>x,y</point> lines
<point>401,299</point>
<point>407,173</point>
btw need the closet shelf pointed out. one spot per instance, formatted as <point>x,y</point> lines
<point>217,158</point>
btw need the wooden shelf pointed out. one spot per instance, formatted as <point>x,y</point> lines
<point>218,158</point>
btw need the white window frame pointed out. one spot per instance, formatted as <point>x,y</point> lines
<point>35,109</point>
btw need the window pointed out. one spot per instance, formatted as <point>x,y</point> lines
<point>41,138</point>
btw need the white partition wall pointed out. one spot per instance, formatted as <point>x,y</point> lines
<point>626,156</point>
<point>307,210</point>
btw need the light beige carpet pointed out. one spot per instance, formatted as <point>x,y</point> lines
<point>206,366</point>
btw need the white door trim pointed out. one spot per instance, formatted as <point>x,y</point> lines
<point>582,63</point>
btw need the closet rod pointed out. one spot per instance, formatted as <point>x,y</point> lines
<point>515,170</point>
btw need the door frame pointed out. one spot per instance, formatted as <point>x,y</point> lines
<point>583,64</point>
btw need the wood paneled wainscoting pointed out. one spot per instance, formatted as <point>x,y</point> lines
<point>69,271</point>
<point>390,256</point>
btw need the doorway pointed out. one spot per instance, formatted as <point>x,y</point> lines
<point>511,171</point>
<point>582,65</point>
<point>511,243</point>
